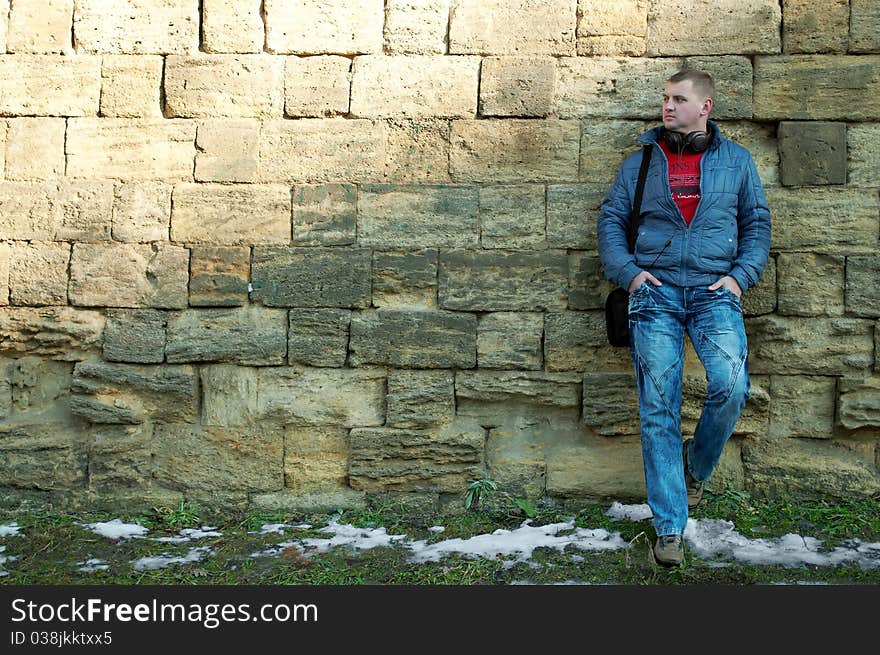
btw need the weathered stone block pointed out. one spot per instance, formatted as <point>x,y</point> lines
<point>61,333</point>
<point>577,341</point>
<point>228,150</point>
<point>801,406</point>
<point>611,403</point>
<point>612,27</point>
<point>84,211</point>
<point>812,87</point>
<point>5,253</point>
<point>136,27</point>
<point>597,467</point>
<point>863,148</point>
<point>314,27</point>
<point>604,146</point>
<point>48,85</point>
<point>733,84</point>
<point>405,279</point>
<point>311,277</point>
<point>324,215</point>
<point>38,391</point>
<point>811,284</point>
<point>415,86</point>
<point>130,86</point>
<point>417,150</point>
<point>4,21</point>
<point>120,458</point>
<point>38,273</point>
<point>417,28</point>
<point>529,387</point>
<point>232,26</point>
<point>514,151</point>
<point>513,27</point>
<point>755,419</point>
<point>587,286</point>
<point>227,215</point>
<point>812,153</point>
<point>833,221</point>
<point>224,85</point>
<point>128,275</point>
<point>510,340</point>
<point>136,335</point>
<point>102,392</point>
<point>858,403</point>
<point>310,501</point>
<point>837,346</point>
<point>420,399</point>
<point>315,458</point>
<point>864,26</point>
<point>229,394</point>
<point>496,281</point>
<point>248,335</point>
<point>217,459</point>
<point>573,215</point>
<point>512,216</point>
<point>761,298</point>
<point>413,339</point>
<point>326,396</point>
<point>316,86</point>
<point>318,337</point>
<point>862,291</point>
<point>124,149</point>
<point>517,86</point>
<point>219,276</point>
<point>35,148</point>
<point>417,216</point>
<point>709,27</point>
<point>760,140</point>
<point>141,212</point>
<point>43,457</point>
<point>390,459</point>
<point>815,27</point>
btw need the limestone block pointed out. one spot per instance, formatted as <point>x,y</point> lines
<point>27,210</point>
<point>858,403</point>
<point>573,215</point>
<point>48,85</point>
<point>577,341</point>
<point>413,339</point>
<point>40,391</point>
<point>414,86</point>
<point>761,298</point>
<point>815,87</point>
<point>810,284</point>
<point>612,27</point>
<point>63,333</point>
<point>130,86</point>
<point>513,27</point>
<point>815,26</point>
<point>142,212</point>
<point>229,394</point>
<point>514,151</point>
<point>864,26</point>
<point>227,150</point>
<point>802,406</point>
<point>604,146</point>
<point>5,254</point>
<point>755,419</point>
<point>710,27</point>
<point>760,140</point>
<point>4,23</point>
<point>144,149</point>
<point>517,86</point>
<point>304,396</point>
<point>510,340</point>
<point>809,469</point>
<point>324,214</point>
<point>597,467</point>
<point>403,216</point>
<point>420,399</point>
<point>316,86</point>
<point>120,458</point>
<point>862,292</point>
<point>232,26</point>
<point>416,27</point>
<point>219,276</point>
<point>218,459</point>
<point>515,460</point>
<point>733,84</point>
<point>84,211</point>
<point>35,148</point>
<point>611,403</point>
<point>311,277</point>
<point>315,458</point>
<point>512,216</point>
<point>417,150</point>
<point>104,392</point>
<point>832,220</point>
<point>41,456</point>
<point>38,273</point>
<point>247,335</point>
<point>328,149</point>
<point>502,280</point>
<point>390,459</point>
<point>135,336</point>
<point>316,27</point>
<point>812,153</point>
<point>561,390</point>
<point>405,279</point>
<point>587,286</point>
<point>136,27</point>
<point>318,337</point>
<point>835,346</point>
<point>863,148</point>
<point>224,215</point>
<point>128,275</point>
<point>310,501</point>
<point>612,87</point>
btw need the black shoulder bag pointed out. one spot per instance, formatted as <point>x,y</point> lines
<point>617,302</point>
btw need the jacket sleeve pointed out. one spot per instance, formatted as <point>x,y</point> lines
<point>617,261</point>
<point>754,230</point>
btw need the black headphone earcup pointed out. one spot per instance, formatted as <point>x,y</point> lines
<point>698,141</point>
<point>673,139</point>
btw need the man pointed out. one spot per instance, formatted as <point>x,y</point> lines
<point>704,240</point>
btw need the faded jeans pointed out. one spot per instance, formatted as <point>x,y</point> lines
<point>658,318</point>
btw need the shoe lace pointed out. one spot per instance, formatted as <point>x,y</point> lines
<point>671,540</point>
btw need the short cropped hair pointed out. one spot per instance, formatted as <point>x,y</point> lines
<point>702,81</point>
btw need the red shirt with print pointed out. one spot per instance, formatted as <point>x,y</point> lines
<point>684,179</point>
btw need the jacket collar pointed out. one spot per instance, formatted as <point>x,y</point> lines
<point>653,135</point>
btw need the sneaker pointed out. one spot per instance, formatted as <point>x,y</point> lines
<point>669,550</point>
<point>694,488</point>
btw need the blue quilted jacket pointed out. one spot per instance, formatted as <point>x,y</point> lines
<point>729,234</point>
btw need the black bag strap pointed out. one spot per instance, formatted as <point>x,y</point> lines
<point>635,216</point>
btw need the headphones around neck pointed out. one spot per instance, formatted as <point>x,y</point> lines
<point>697,140</point>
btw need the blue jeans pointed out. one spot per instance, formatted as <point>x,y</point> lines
<point>658,318</point>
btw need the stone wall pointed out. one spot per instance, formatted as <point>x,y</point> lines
<point>293,253</point>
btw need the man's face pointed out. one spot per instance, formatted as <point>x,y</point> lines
<point>684,110</point>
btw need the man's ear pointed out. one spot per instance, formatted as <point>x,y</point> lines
<point>708,103</point>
